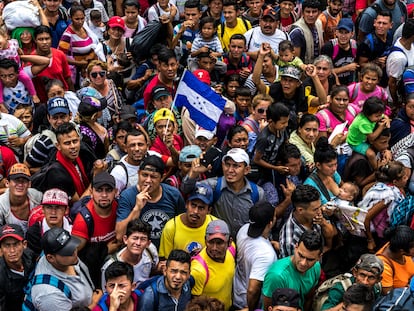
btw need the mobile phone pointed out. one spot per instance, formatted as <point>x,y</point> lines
<point>210,156</point>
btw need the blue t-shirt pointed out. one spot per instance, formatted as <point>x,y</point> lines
<point>337,179</point>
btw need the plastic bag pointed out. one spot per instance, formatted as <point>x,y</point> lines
<point>146,38</point>
<point>20,14</point>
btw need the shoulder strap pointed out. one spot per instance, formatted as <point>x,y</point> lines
<point>102,303</point>
<point>223,24</point>
<point>156,296</point>
<point>217,189</point>
<point>325,13</point>
<point>320,185</point>
<point>157,10</point>
<point>335,46</point>
<point>255,192</point>
<point>326,118</point>
<point>355,91</point>
<point>353,47</point>
<point>245,24</point>
<point>204,264</point>
<point>54,281</point>
<point>122,164</point>
<point>370,38</point>
<point>87,216</point>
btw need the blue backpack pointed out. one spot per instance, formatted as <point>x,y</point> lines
<point>399,299</point>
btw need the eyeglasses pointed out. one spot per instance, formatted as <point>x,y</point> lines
<point>261,110</point>
<point>100,73</point>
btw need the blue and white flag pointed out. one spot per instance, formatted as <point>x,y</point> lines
<point>204,105</point>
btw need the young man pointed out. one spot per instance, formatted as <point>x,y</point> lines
<point>358,297</point>
<point>253,12</point>
<point>213,268</point>
<point>139,252</point>
<point>187,231</point>
<point>232,25</point>
<point>343,51</point>
<point>207,140</point>
<point>57,18</point>
<point>330,19</point>
<point>300,272</point>
<point>236,59</point>
<point>16,264</point>
<point>173,288</point>
<point>285,299</point>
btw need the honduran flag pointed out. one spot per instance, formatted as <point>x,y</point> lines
<point>204,105</point>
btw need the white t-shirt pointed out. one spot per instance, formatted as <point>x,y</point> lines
<point>254,257</point>
<point>255,37</point>
<point>153,14</point>
<point>120,175</point>
<point>397,61</point>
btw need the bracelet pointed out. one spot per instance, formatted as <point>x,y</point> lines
<point>370,240</point>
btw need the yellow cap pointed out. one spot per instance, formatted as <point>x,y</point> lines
<point>164,114</point>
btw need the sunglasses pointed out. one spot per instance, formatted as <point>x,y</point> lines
<point>100,73</point>
<point>261,110</point>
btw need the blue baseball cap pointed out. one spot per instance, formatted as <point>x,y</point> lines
<point>57,105</point>
<point>189,153</point>
<point>346,23</point>
<point>203,192</point>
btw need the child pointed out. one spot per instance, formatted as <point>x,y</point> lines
<point>96,24</point>
<point>243,103</point>
<point>207,140</point>
<point>362,129</point>
<point>269,141</point>
<point>232,82</point>
<point>134,23</point>
<point>368,87</point>
<point>120,293</point>
<point>287,57</point>
<point>163,11</point>
<point>9,49</point>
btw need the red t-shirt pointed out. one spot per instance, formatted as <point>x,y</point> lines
<point>148,90</point>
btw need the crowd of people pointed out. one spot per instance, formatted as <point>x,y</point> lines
<point>115,197</point>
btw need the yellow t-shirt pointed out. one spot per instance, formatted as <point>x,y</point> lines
<point>176,235</point>
<point>228,32</point>
<point>220,282</point>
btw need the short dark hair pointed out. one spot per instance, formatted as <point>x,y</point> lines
<point>308,118</point>
<point>312,240</point>
<point>303,195</point>
<point>408,28</point>
<point>231,3</point>
<point>66,128</point>
<point>164,55</point>
<point>9,63</point>
<point>243,91</point>
<point>400,237</point>
<point>238,36</point>
<point>135,132</point>
<point>324,152</point>
<point>122,125</point>
<point>134,3</point>
<point>373,105</point>
<point>277,111</point>
<point>207,20</point>
<point>119,268</point>
<point>314,4</point>
<point>180,256</point>
<point>359,294</point>
<point>385,13</point>
<point>286,152</point>
<point>235,129</point>
<point>192,4</point>
<point>137,225</point>
<point>286,45</point>
<point>41,29</point>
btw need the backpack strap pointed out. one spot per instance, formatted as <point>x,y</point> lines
<point>335,46</point>
<point>388,261</point>
<point>217,189</point>
<point>325,117</point>
<point>255,192</point>
<point>87,217</point>
<point>223,25</point>
<point>246,25</point>
<point>122,164</point>
<point>320,185</point>
<point>155,292</point>
<point>353,47</point>
<point>204,264</point>
<point>355,91</point>
<point>370,38</point>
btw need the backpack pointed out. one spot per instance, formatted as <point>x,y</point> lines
<point>28,146</point>
<point>42,279</point>
<point>335,46</point>
<point>322,293</point>
<point>79,207</point>
<point>399,299</point>
<point>402,214</point>
<point>217,191</point>
<point>38,180</point>
<point>400,84</point>
<point>122,164</point>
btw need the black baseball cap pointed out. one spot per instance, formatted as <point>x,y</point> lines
<point>58,241</point>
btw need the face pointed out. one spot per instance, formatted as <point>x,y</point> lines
<point>286,56</point>
<point>255,7</point>
<point>122,283</point>
<point>243,103</point>
<point>268,25</point>
<point>365,277</point>
<point>12,250</point>
<point>230,14</point>
<point>323,70</point>
<point>236,48</point>
<point>25,116</point>
<point>376,117</point>
<point>196,214</point>
<point>69,145</point>
<point>304,259</point>
<point>97,76</point>
<point>58,119</point>
<point>8,77</point>
<point>381,143</point>
<point>268,66</point>
<point>192,14</point>
<point>343,36</point>
<point>137,148</point>
<point>136,242</point>
<point>310,211</point>
<point>103,196</point>
<point>328,168</point>
<point>286,7</point>
<point>54,214</point>
<point>293,165</point>
<point>176,274</point>
<point>164,128</point>
<point>234,171</point>
<point>339,102</point>
<point>389,2</point>
<point>401,181</point>
<point>409,109</point>
<point>335,7</point>
<point>19,187</point>
<point>208,30</point>
<point>131,13</point>
<point>162,102</point>
<point>309,132</point>
<point>149,179</point>
<point>184,167</point>
<point>63,262</point>
<point>26,37</point>
<point>56,91</point>
<point>239,140</point>
<point>206,63</point>
<point>347,192</point>
<point>231,88</point>
<point>43,42</point>
<point>116,33</point>
<point>310,15</point>
<point>78,19</point>
<point>163,3</point>
<point>279,125</point>
<point>259,112</point>
<point>369,81</point>
<point>52,5</point>
<point>382,25</point>
<point>204,143</point>
<point>216,6</point>
<point>216,249</point>
<point>289,85</point>
<point>168,70</point>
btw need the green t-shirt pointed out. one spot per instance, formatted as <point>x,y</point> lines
<point>283,274</point>
<point>359,129</point>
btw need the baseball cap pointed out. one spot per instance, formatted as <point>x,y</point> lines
<point>346,23</point>
<point>217,229</point>
<point>19,170</point>
<point>164,114</point>
<point>237,155</point>
<point>290,71</point>
<point>202,75</point>
<point>59,241</point>
<point>128,112</point>
<point>116,21</point>
<point>189,153</point>
<point>102,179</point>
<point>160,91</point>
<point>203,192</point>
<point>369,262</point>
<point>57,105</point>
<point>55,196</point>
<point>201,132</point>
<point>271,13</point>
<point>90,105</point>
<point>152,163</point>
<point>11,231</point>
<point>260,216</point>
<point>285,297</point>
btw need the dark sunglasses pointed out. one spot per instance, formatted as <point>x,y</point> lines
<point>100,73</point>
<point>261,110</point>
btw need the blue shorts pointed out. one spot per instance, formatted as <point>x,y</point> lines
<point>361,148</point>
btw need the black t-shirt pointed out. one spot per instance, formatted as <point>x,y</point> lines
<point>343,58</point>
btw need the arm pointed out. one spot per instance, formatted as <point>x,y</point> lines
<point>253,293</point>
<point>382,124</point>
<point>261,87</point>
<point>350,67</point>
<point>320,90</point>
<point>392,85</point>
<point>374,211</point>
<point>259,161</point>
<point>177,37</point>
<point>287,191</point>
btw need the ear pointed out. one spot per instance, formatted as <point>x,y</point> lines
<point>247,169</point>
<point>124,239</point>
<point>318,165</point>
<point>7,183</point>
<point>24,242</point>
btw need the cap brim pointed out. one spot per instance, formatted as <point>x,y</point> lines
<point>158,95</point>
<point>199,197</point>
<point>58,110</point>
<point>12,235</point>
<point>19,175</point>
<point>345,28</point>
<point>103,183</point>
<point>290,76</point>
<point>70,247</point>
<point>254,232</point>
<point>220,236</point>
<point>128,116</point>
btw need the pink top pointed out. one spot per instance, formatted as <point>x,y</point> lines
<point>358,98</point>
<point>327,120</point>
<point>11,51</point>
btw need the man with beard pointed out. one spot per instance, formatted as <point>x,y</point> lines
<point>266,32</point>
<point>94,225</point>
